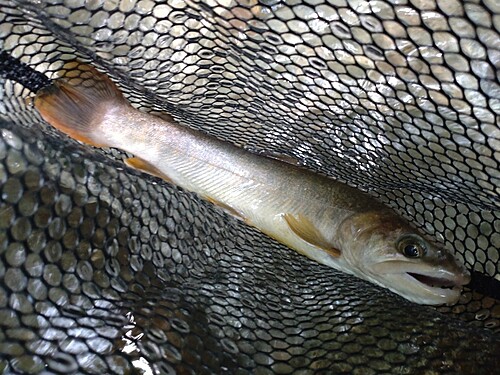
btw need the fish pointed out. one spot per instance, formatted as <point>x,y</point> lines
<point>323,219</point>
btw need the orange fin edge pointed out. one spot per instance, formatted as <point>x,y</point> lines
<point>76,102</point>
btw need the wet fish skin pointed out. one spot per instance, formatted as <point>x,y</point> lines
<point>325,220</point>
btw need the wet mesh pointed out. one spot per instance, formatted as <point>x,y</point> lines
<point>104,270</point>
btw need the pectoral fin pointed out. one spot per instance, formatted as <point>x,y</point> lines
<point>302,227</point>
<point>146,167</point>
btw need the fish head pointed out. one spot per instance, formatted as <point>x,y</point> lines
<point>385,249</point>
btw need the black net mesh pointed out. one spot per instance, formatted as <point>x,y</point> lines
<point>105,270</point>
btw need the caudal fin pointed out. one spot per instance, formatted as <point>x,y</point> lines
<point>77,103</point>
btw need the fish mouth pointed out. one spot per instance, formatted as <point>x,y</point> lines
<point>444,290</point>
<point>436,282</point>
<point>423,284</point>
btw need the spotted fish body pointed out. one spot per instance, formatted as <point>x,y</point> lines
<point>325,220</point>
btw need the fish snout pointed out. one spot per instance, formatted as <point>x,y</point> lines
<point>460,274</point>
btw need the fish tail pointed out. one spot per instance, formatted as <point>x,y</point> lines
<point>77,103</point>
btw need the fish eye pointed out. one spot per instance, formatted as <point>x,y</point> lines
<point>411,247</point>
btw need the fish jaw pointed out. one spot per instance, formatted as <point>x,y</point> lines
<point>421,283</point>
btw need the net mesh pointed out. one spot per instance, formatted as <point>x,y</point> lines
<point>105,270</point>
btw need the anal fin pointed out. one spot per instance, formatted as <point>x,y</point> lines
<point>302,227</point>
<point>146,167</point>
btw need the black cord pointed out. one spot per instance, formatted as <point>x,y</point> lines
<point>13,69</point>
<point>486,285</point>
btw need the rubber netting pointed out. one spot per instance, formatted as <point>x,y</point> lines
<point>104,270</point>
